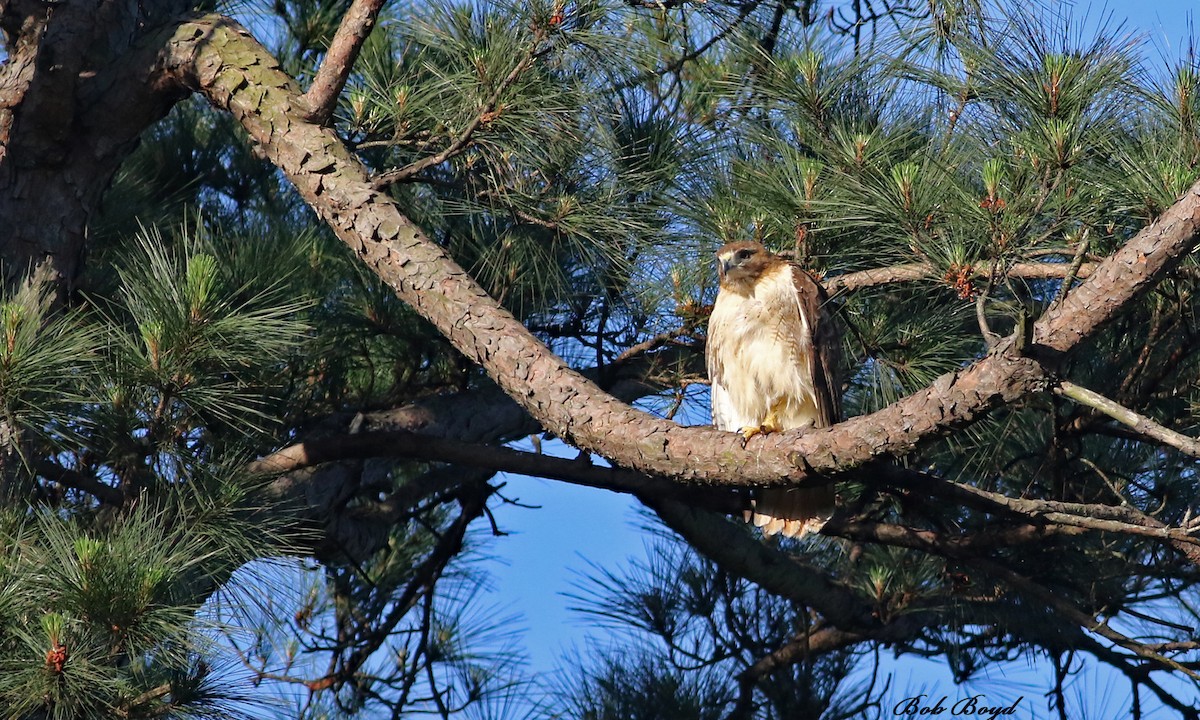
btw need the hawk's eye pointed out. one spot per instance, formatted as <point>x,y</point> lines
<point>743,255</point>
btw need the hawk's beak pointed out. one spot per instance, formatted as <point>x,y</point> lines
<point>724,263</point>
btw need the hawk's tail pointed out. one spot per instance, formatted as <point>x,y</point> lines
<point>793,512</point>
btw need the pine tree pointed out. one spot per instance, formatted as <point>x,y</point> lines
<point>248,454</point>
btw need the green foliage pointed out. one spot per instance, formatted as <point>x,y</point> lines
<point>100,618</point>
<point>45,360</point>
<point>559,190</point>
<point>133,420</point>
<point>200,340</point>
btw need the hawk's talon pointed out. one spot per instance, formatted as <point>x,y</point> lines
<point>750,431</point>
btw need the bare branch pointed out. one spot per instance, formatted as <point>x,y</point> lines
<point>955,546</point>
<point>799,649</point>
<point>655,342</point>
<point>1081,618</point>
<point>327,85</point>
<point>1081,250</point>
<point>425,576</point>
<point>1136,674</point>
<point>676,65</point>
<point>1108,518</point>
<point>913,272</point>
<point>80,481</point>
<point>403,444</point>
<point>1140,423</point>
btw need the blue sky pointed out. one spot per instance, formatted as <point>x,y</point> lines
<point>551,546</point>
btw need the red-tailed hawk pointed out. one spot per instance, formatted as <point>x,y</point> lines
<point>771,353</point>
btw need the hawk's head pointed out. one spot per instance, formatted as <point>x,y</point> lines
<point>742,263</point>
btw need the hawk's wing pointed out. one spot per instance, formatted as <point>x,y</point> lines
<point>825,352</point>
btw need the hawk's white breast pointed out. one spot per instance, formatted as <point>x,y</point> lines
<point>760,346</point>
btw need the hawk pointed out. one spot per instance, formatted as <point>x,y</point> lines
<point>771,354</point>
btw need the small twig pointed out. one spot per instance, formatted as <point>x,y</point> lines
<point>496,531</point>
<point>327,85</point>
<point>1112,486</point>
<point>1140,423</point>
<point>425,576</point>
<point>654,343</point>
<point>676,404</point>
<point>964,97</point>
<point>799,649</point>
<point>1081,251</point>
<point>1159,621</point>
<point>678,63</point>
<point>155,693</point>
<point>990,338</point>
<point>1180,646</point>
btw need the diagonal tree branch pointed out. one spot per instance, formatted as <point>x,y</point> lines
<point>732,547</point>
<point>800,649</point>
<point>1084,620</point>
<point>1139,265</point>
<point>327,85</point>
<point>80,481</point>
<point>824,640</point>
<point>1136,674</point>
<point>1108,518</point>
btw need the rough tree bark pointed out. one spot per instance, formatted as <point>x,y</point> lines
<point>76,92</point>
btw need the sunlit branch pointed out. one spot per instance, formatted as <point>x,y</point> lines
<point>1141,424</point>
<point>914,272</point>
<point>214,55</point>
<point>327,85</point>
